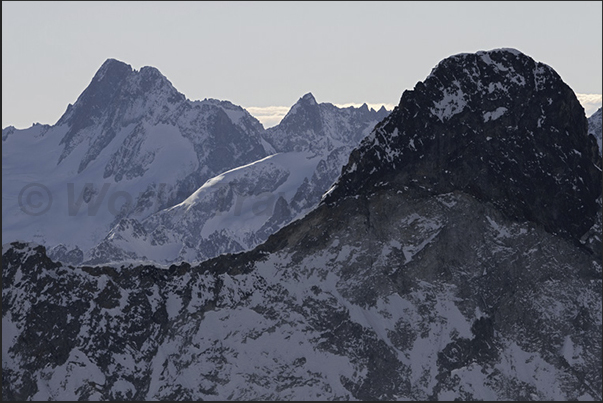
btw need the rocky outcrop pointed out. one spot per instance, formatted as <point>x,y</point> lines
<point>496,125</point>
<point>594,126</point>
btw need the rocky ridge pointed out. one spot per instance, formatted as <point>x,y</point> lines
<point>398,286</point>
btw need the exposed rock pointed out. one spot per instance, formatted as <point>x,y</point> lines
<point>398,286</point>
<point>496,125</point>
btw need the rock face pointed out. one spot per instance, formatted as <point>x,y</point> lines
<point>594,126</point>
<point>496,125</point>
<point>401,285</point>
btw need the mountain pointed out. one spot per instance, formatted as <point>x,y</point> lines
<point>594,126</point>
<point>593,238</point>
<point>433,269</point>
<point>239,209</point>
<point>466,134</point>
<point>131,145</point>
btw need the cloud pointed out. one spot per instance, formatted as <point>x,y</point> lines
<point>268,115</point>
<point>389,107</point>
<point>590,102</point>
<point>271,116</point>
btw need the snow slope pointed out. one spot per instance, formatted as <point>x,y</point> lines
<point>130,146</point>
<point>239,209</point>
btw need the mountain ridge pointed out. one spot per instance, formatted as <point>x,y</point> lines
<point>132,145</point>
<point>384,291</point>
<point>240,208</point>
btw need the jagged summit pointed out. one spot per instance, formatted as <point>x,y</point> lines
<point>305,108</point>
<point>112,68</point>
<point>117,96</point>
<point>114,90</point>
<point>308,98</point>
<point>496,125</point>
<point>320,127</point>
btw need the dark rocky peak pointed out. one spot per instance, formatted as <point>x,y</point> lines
<point>308,99</point>
<point>496,125</point>
<point>321,127</point>
<point>27,256</point>
<point>305,111</point>
<point>116,97</point>
<point>101,91</point>
<point>111,71</point>
<point>151,80</point>
<point>116,86</point>
<point>298,129</point>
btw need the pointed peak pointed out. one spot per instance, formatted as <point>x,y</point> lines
<point>305,102</point>
<point>149,71</point>
<point>308,98</point>
<point>112,67</point>
<point>113,62</point>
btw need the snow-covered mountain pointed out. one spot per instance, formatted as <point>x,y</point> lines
<point>239,209</point>
<point>130,146</point>
<point>452,260</point>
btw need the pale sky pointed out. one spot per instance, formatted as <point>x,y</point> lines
<point>264,56</point>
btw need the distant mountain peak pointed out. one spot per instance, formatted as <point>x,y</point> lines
<point>382,109</point>
<point>116,83</point>
<point>112,68</point>
<point>306,102</point>
<point>117,95</point>
<point>306,111</point>
<point>320,127</point>
<point>308,98</point>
